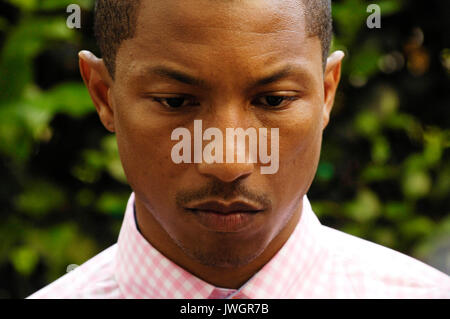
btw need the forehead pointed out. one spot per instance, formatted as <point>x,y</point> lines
<point>192,32</point>
<point>246,15</point>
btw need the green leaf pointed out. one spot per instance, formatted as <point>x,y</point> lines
<point>20,123</point>
<point>385,236</point>
<point>434,146</point>
<point>364,208</point>
<point>95,161</point>
<point>349,15</point>
<point>380,150</point>
<point>85,197</point>
<point>21,46</point>
<point>397,211</point>
<point>325,171</point>
<point>434,249</point>
<point>388,102</point>
<point>112,203</point>
<point>367,123</point>
<point>24,4</point>
<point>70,98</point>
<point>389,7</point>
<point>39,198</point>
<point>113,165</point>
<point>416,184</point>
<point>24,260</point>
<point>441,187</point>
<point>377,173</point>
<point>364,62</point>
<point>417,227</point>
<point>325,208</point>
<point>62,4</point>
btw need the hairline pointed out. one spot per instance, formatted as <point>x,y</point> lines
<point>133,17</point>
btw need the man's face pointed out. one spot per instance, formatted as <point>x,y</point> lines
<point>203,60</point>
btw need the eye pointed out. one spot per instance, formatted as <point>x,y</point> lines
<point>175,102</point>
<point>273,101</point>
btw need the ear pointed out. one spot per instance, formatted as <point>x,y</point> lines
<point>331,80</point>
<point>98,82</point>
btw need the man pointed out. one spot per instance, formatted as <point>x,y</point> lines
<point>178,78</point>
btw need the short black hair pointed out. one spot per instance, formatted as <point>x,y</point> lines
<point>115,21</point>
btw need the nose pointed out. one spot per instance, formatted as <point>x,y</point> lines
<point>237,150</point>
<point>236,159</point>
<point>226,172</point>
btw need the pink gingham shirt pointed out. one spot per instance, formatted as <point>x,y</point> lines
<point>315,262</point>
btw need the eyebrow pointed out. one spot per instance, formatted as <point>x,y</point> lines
<point>284,72</point>
<point>178,76</point>
<point>185,78</point>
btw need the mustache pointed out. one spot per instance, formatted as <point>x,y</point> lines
<point>224,191</point>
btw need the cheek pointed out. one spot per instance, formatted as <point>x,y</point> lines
<point>301,132</point>
<point>300,148</point>
<point>144,147</point>
<point>142,161</point>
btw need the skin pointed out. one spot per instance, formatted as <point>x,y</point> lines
<point>228,46</point>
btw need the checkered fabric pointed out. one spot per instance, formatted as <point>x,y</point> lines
<point>315,262</point>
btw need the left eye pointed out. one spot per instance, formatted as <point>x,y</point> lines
<point>273,100</point>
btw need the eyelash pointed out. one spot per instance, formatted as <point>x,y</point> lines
<point>286,99</point>
<point>187,98</point>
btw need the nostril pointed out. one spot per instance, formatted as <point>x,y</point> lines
<point>226,172</point>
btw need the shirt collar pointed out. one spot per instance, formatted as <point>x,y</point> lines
<point>143,272</point>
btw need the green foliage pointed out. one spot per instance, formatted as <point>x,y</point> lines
<point>389,153</point>
<point>384,173</point>
<point>39,198</point>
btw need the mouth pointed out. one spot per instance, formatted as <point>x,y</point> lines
<point>225,217</point>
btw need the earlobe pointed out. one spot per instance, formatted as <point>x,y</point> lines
<point>331,81</point>
<point>98,82</point>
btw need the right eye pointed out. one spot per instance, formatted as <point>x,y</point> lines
<point>175,102</point>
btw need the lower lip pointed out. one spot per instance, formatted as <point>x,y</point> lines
<point>227,223</point>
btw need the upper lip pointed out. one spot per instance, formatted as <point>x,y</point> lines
<point>226,208</point>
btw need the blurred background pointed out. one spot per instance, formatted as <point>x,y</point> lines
<point>384,173</point>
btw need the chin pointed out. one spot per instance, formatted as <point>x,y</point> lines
<point>223,257</point>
